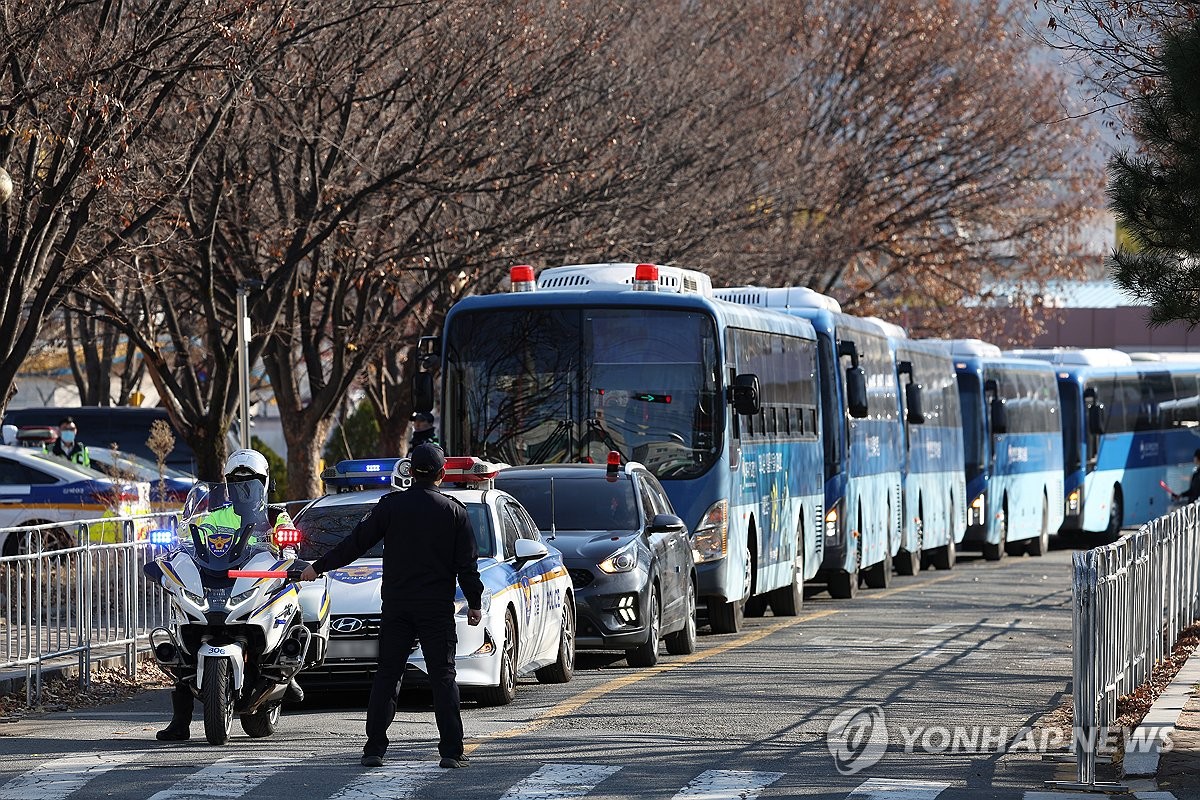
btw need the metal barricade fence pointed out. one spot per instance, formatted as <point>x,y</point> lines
<point>88,600</point>
<point>1132,599</point>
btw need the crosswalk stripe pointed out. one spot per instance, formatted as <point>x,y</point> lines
<point>227,778</point>
<point>555,781</point>
<point>56,779</point>
<point>395,780</point>
<point>898,789</point>
<point>1154,795</point>
<point>728,784</point>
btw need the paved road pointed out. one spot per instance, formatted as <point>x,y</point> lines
<point>985,647</point>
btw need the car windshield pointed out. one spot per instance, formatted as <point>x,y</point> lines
<point>578,503</point>
<point>122,464</point>
<point>322,527</point>
<point>91,473</point>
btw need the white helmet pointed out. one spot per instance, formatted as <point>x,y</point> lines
<point>246,465</point>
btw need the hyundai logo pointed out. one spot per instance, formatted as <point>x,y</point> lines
<point>347,625</point>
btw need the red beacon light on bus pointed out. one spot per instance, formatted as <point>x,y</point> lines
<point>522,278</point>
<point>645,278</point>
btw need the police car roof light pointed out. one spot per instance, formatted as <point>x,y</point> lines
<point>360,473</point>
<point>468,469</point>
<point>614,465</point>
<point>522,278</point>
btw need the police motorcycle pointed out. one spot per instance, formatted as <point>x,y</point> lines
<point>241,626</point>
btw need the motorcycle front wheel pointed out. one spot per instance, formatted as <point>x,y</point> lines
<point>262,722</point>
<point>217,696</point>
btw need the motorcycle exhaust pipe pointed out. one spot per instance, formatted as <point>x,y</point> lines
<point>165,648</point>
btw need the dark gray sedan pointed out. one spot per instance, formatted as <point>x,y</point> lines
<point>627,552</point>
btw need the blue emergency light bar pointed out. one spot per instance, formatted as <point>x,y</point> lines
<point>360,473</point>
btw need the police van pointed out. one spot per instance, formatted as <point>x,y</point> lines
<point>528,624</point>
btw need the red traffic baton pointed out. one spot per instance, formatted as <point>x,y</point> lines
<point>258,573</point>
<point>1164,485</point>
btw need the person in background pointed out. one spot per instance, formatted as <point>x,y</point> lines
<point>67,446</point>
<point>10,434</point>
<point>423,430</point>
<point>1192,493</point>
<point>428,546</point>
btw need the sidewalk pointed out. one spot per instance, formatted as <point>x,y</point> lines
<point>12,680</point>
<point>1172,726</point>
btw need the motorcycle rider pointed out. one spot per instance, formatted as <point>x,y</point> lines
<point>242,465</point>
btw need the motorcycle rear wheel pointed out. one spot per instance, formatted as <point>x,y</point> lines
<point>217,696</point>
<point>262,722</point>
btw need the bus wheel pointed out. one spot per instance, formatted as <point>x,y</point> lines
<point>995,552</point>
<point>725,617</point>
<point>786,601</point>
<point>843,585</point>
<point>1041,545</point>
<point>945,557</point>
<point>910,563</point>
<point>879,575</point>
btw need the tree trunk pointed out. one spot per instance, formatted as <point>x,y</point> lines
<point>304,445</point>
<point>208,442</point>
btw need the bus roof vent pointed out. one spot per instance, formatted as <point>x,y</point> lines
<point>780,297</point>
<point>1091,356</point>
<point>972,347</point>
<point>676,280</point>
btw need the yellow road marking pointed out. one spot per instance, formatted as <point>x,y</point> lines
<point>596,692</point>
<point>909,587</point>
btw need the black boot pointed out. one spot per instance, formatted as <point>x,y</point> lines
<point>294,693</point>
<point>181,717</point>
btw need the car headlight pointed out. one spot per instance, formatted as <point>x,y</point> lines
<point>711,538</point>
<point>485,604</point>
<point>622,560</point>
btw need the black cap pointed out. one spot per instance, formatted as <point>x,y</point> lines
<point>427,460</point>
<point>422,416</point>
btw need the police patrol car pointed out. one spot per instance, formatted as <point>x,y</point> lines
<point>528,608</point>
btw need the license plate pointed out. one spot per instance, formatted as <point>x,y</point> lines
<point>364,649</point>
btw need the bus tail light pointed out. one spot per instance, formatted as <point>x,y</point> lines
<point>710,541</point>
<point>521,277</point>
<point>976,512</point>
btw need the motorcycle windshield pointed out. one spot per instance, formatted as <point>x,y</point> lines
<point>223,523</point>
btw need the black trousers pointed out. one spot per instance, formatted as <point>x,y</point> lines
<point>402,625</point>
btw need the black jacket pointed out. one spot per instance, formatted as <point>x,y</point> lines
<point>1193,491</point>
<point>427,544</point>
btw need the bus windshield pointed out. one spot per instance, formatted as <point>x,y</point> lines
<point>552,385</point>
<point>974,441</point>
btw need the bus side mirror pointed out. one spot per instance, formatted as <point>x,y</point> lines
<point>856,391</point>
<point>744,394</point>
<point>422,385</point>
<point>912,399</point>
<point>1095,419</point>
<point>999,416</point>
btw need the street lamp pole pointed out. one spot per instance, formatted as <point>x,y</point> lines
<point>243,342</point>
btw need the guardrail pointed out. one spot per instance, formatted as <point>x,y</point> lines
<point>77,601</point>
<point>1132,598</point>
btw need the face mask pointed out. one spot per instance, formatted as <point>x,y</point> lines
<point>68,437</point>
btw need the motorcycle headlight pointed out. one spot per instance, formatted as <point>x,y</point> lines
<point>195,598</point>
<point>242,597</point>
<point>622,560</point>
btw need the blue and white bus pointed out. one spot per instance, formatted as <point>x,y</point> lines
<point>720,402</point>
<point>1128,429</point>
<point>935,506</point>
<point>863,435</point>
<point>1013,455</point>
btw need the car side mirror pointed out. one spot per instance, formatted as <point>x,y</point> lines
<point>745,394</point>
<point>856,392</point>
<point>529,550</point>
<point>1095,417</point>
<point>666,523</point>
<point>999,416</point>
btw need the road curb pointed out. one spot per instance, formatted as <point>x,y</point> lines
<point>12,680</point>
<point>1143,749</point>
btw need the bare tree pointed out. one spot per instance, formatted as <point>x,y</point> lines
<point>86,87</point>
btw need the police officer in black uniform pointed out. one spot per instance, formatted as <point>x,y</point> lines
<point>428,543</point>
<point>1193,491</point>
<point>423,430</point>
